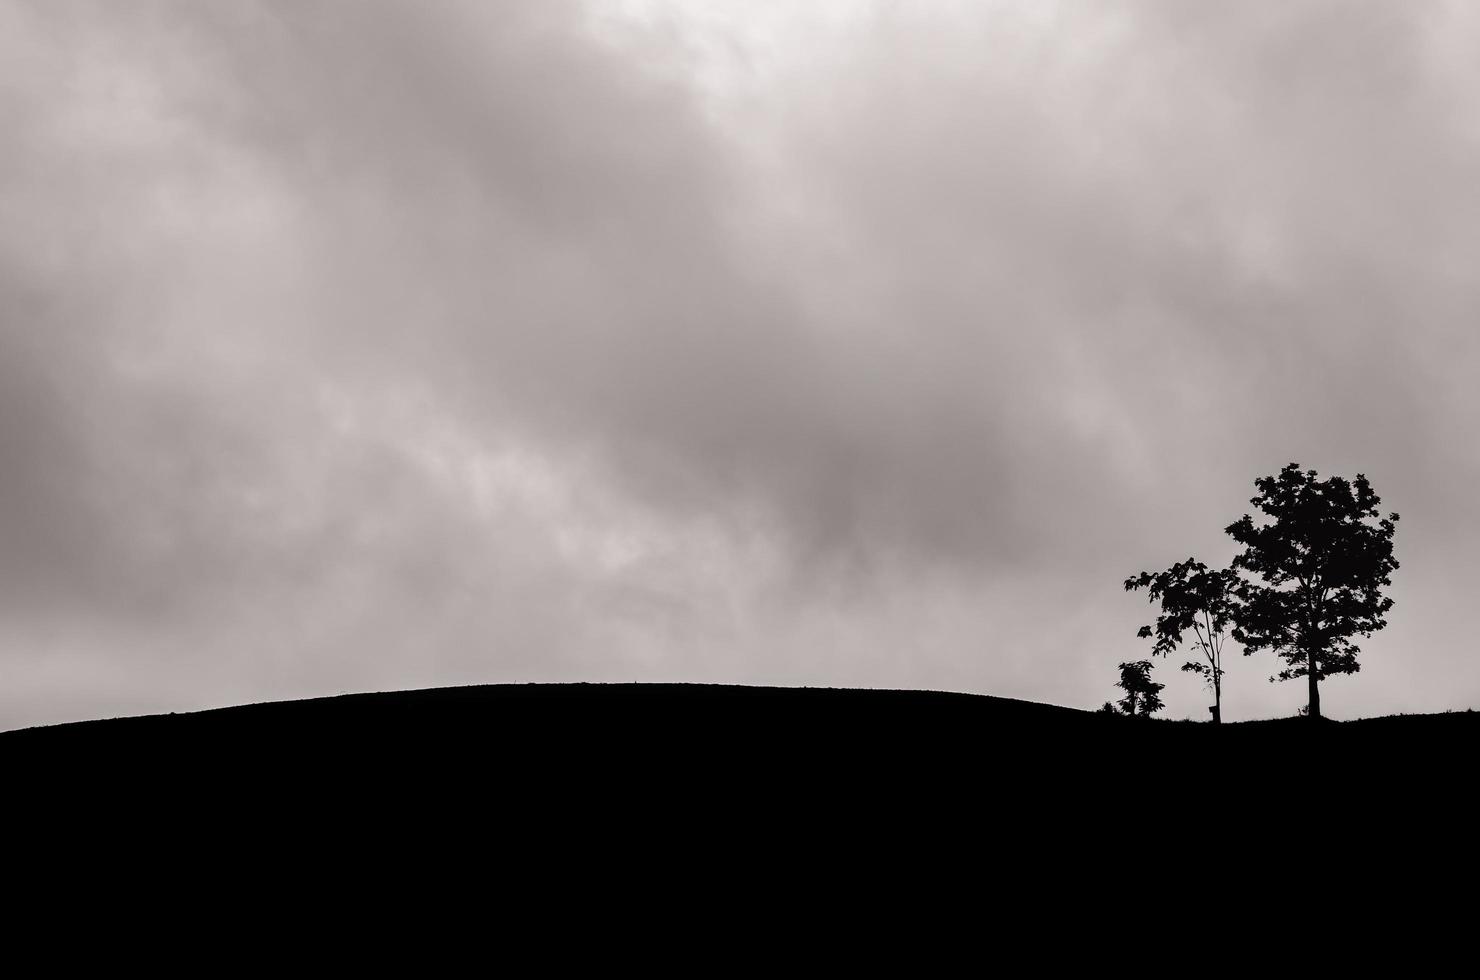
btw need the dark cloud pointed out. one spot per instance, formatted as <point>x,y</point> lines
<point>453,342</point>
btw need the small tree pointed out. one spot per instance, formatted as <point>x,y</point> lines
<point>1324,557</point>
<point>1142,695</point>
<point>1197,598</point>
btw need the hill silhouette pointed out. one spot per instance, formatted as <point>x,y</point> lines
<point>613,782</point>
<point>635,707</point>
<point>659,729</point>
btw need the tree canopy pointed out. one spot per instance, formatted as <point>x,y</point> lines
<point>1324,555</point>
<point>1142,694</point>
<point>1193,598</point>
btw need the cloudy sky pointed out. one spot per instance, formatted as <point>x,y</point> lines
<point>359,346</point>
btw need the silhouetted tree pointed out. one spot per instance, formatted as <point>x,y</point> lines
<point>1197,598</point>
<point>1324,557</point>
<point>1142,695</point>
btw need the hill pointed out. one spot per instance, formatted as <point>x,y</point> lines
<point>658,728</point>
<point>415,714</point>
<point>601,776</point>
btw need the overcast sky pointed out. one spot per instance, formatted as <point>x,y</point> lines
<point>361,346</point>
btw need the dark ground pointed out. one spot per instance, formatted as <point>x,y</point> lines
<point>680,738</point>
<point>728,713</point>
<point>857,783</point>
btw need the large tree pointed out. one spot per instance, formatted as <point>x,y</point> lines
<point>1197,598</point>
<point>1324,556</point>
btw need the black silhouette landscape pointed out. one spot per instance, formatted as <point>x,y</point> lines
<point>550,787</point>
<point>656,725</point>
<point>1086,353</point>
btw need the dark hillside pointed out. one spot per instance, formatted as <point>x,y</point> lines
<point>619,773</point>
<point>633,706</point>
<point>648,727</point>
<point>531,731</point>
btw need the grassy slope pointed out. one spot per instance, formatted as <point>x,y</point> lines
<point>687,723</point>
<point>608,776</point>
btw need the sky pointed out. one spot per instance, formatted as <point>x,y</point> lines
<point>383,345</point>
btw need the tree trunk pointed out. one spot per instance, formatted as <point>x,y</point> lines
<point>1314,709</point>
<point>1217,698</point>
